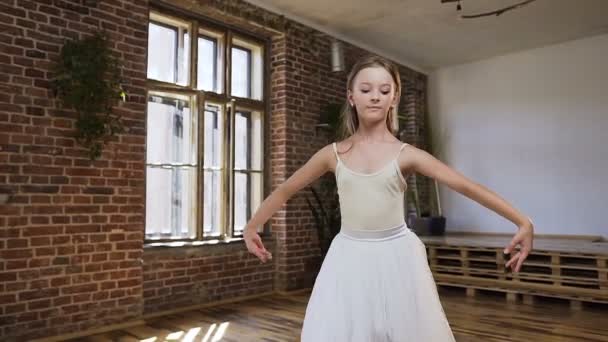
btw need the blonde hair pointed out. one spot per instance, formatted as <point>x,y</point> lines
<point>348,117</point>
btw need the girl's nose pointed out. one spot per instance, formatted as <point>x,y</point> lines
<point>375,96</point>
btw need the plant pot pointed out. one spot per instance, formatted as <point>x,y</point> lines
<point>429,225</point>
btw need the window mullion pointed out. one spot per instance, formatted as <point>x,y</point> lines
<point>228,63</point>
<point>249,73</point>
<point>228,173</point>
<point>249,164</point>
<point>199,106</point>
<point>200,198</point>
<point>194,55</point>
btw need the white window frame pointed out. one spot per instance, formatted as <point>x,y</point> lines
<point>229,104</point>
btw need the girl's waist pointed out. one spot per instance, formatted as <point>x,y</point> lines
<point>375,234</point>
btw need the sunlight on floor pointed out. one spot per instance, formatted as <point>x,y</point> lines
<point>214,334</point>
<point>175,335</point>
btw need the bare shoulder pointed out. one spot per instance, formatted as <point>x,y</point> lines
<point>344,145</point>
<point>324,158</point>
<point>315,167</point>
<point>326,152</point>
<point>407,158</point>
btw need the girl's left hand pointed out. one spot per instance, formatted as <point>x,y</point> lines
<point>523,237</point>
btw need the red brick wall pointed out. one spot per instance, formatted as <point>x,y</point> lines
<point>71,235</point>
<point>175,278</point>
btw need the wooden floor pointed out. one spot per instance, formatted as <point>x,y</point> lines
<point>486,317</point>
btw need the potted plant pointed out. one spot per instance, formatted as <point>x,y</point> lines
<point>430,223</point>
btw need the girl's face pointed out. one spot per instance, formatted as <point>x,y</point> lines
<point>373,94</point>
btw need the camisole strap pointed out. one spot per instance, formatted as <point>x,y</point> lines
<point>336,151</point>
<point>397,169</point>
<point>400,149</point>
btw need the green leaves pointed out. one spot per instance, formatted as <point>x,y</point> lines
<point>331,117</point>
<point>87,79</point>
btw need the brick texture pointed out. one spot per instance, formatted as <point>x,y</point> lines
<point>71,235</point>
<point>72,254</point>
<point>195,275</point>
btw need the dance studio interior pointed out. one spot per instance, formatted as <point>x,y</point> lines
<point>138,137</point>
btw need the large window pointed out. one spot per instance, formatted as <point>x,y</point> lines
<point>204,154</point>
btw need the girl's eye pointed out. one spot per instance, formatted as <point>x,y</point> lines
<point>365,91</point>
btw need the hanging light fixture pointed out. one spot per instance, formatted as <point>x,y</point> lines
<point>490,13</point>
<point>337,56</point>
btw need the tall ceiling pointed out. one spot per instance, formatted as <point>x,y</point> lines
<point>426,34</point>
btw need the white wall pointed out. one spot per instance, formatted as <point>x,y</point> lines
<point>533,127</point>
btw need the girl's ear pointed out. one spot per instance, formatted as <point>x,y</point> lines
<point>349,97</point>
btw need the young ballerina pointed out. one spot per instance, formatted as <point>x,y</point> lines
<point>375,283</point>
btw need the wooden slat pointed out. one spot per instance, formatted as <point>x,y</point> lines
<point>527,287</point>
<point>563,268</point>
<point>565,246</point>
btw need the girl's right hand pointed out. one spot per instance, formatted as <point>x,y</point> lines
<point>255,245</point>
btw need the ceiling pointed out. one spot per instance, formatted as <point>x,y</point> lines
<point>426,34</point>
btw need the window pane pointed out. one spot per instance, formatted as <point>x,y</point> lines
<point>242,153</point>
<point>161,52</point>
<point>247,197</point>
<point>184,59</point>
<point>212,192</point>
<point>257,147</point>
<point>242,208</point>
<point>214,122</point>
<point>168,53</point>
<point>248,140</point>
<point>212,203</point>
<point>170,202</point>
<point>241,72</point>
<point>248,58</point>
<point>171,131</point>
<point>207,65</point>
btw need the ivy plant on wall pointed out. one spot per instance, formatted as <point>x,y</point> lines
<point>87,79</point>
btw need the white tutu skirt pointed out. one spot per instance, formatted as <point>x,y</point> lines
<point>375,286</point>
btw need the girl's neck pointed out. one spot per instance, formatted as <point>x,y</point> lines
<point>374,134</point>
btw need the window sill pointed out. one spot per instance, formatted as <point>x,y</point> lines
<point>151,245</point>
<point>181,244</point>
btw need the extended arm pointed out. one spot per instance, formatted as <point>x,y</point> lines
<point>424,163</point>
<point>314,168</point>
